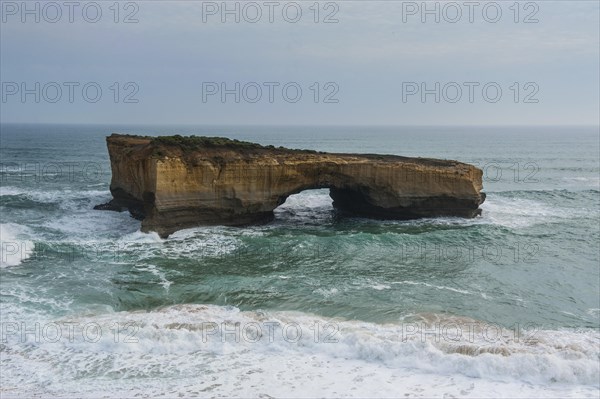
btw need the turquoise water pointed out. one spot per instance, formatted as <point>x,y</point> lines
<point>531,259</point>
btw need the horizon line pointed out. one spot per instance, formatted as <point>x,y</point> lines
<point>293,125</point>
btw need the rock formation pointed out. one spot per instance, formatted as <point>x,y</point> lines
<point>175,182</point>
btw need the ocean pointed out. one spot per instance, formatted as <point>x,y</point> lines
<point>311,304</point>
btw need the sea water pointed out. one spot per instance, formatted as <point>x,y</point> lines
<point>313,303</point>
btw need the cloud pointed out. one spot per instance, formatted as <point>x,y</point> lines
<point>369,52</point>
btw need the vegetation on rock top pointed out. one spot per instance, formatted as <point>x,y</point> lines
<point>193,143</point>
<point>189,144</point>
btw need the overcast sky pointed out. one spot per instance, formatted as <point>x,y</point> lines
<point>368,68</point>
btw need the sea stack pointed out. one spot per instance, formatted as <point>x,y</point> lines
<point>174,182</point>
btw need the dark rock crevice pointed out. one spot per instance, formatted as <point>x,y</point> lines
<point>353,202</point>
<point>122,201</point>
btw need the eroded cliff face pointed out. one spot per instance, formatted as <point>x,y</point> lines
<point>177,182</point>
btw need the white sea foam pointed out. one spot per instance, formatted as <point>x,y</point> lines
<point>9,190</point>
<point>326,292</point>
<point>82,223</point>
<point>594,312</point>
<point>519,213</point>
<point>306,207</point>
<point>15,244</point>
<point>438,287</point>
<point>191,243</point>
<point>52,195</point>
<point>380,287</point>
<point>308,199</point>
<point>137,237</point>
<point>79,221</point>
<point>202,241</point>
<point>593,182</point>
<point>207,350</point>
<point>164,282</point>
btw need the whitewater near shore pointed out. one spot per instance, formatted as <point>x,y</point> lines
<point>312,304</point>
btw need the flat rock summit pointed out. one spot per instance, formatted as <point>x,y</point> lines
<point>174,182</point>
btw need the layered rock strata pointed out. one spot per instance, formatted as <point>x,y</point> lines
<point>175,182</point>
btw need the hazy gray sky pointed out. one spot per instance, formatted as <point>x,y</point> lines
<point>369,67</point>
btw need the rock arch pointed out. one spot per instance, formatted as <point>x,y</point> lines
<point>179,182</point>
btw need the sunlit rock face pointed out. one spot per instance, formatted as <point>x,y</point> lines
<point>175,182</point>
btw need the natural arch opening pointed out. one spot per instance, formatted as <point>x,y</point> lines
<point>306,206</point>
